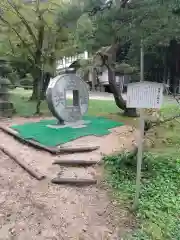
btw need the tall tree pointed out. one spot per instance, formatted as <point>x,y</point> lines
<point>120,22</point>
<point>32,33</point>
<point>103,32</point>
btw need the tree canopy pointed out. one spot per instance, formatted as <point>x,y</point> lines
<point>30,31</point>
<point>154,21</point>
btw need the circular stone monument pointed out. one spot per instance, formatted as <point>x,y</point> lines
<point>67,110</point>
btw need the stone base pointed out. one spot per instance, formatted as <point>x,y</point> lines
<point>78,124</point>
<point>6,109</point>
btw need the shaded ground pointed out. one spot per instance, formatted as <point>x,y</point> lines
<point>39,210</point>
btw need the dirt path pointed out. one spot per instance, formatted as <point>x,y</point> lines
<point>32,210</point>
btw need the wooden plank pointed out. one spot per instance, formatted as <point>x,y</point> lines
<point>72,162</point>
<point>74,181</point>
<point>77,149</point>
<point>33,172</point>
<point>28,142</point>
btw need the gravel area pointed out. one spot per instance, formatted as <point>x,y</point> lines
<point>34,210</point>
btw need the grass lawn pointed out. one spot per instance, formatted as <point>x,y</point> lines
<point>24,107</point>
<point>158,216</point>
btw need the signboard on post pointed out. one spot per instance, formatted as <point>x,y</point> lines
<point>145,95</point>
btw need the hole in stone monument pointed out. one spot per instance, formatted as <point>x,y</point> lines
<point>72,98</point>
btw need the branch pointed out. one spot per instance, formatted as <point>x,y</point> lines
<point>30,31</point>
<point>11,46</point>
<point>124,3</point>
<point>165,120</point>
<point>107,5</point>
<point>101,8</point>
<point>151,124</point>
<point>18,35</point>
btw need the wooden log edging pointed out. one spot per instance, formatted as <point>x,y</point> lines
<point>30,142</point>
<point>52,150</point>
<point>74,181</point>
<point>64,150</point>
<point>33,172</point>
<point>74,163</point>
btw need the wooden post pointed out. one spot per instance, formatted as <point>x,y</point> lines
<point>140,140</point>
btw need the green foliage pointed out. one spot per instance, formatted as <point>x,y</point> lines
<point>154,22</point>
<point>84,33</point>
<point>125,68</point>
<point>31,32</point>
<point>159,207</point>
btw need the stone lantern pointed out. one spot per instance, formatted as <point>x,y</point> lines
<point>6,107</point>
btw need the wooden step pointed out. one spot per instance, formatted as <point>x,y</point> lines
<point>74,181</point>
<point>74,163</point>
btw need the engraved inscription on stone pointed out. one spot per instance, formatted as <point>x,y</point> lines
<point>59,99</point>
<point>71,84</point>
<point>84,100</point>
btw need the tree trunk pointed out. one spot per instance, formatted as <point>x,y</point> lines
<point>34,95</point>
<point>37,73</point>
<point>130,112</point>
<point>46,79</point>
<point>43,88</point>
<point>120,102</point>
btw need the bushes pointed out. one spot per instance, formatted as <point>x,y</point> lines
<point>159,208</point>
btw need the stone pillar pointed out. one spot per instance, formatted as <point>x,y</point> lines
<point>6,107</point>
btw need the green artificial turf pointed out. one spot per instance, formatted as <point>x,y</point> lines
<point>51,137</point>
